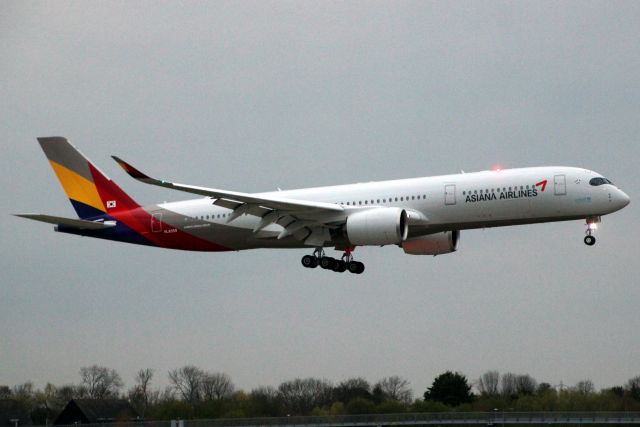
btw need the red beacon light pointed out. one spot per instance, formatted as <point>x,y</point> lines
<point>497,168</point>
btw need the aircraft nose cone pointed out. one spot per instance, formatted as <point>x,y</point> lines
<point>623,199</point>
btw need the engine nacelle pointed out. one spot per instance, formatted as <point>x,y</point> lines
<point>433,244</point>
<point>379,226</point>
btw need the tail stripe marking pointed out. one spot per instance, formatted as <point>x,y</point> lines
<point>77,187</point>
<point>59,150</point>
<point>107,190</point>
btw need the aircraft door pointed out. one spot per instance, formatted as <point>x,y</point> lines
<point>156,223</point>
<point>450,194</point>
<point>560,185</point>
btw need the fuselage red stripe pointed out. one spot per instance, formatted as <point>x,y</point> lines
<point>126,210</point>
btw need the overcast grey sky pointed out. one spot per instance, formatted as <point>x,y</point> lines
<point>252,96</point>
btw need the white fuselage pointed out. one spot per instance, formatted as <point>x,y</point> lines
<point>448,202</point>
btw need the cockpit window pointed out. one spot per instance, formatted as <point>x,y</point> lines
<point>599,181</point>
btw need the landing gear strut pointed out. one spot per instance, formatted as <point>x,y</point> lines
<point>592,225</point>
<point>346,262</point>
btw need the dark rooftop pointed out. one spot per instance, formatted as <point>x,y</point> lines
<point>91,411</point>
<point>12,410</point>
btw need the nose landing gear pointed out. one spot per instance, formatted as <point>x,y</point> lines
<point>341,265</point>
<point>592,225</point>
<point>589,240</point>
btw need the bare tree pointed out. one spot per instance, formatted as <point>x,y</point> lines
<point>100,382</point>
<point>23,392</point>
<point>140,394</point>
<point>216,386</point>
<point>489,383</point>
<point>5,392</point>
<point>143,379</point>
<point>395,388</point>
<point>268,392</point>
<point>509,385</point>
<point>544,388</point>
<point>166,395</point>
<point>300,396</point>
<point>66,392</point>
<point>585,387</point>
<point>49,394</point>
<point>526,384</point>
<point>187,382</point>
<point>352,388</point>
<point>46,404</point>
<point>633,386</point>
<point>266,401</point>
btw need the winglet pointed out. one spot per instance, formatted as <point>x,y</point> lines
<point>133,172</point>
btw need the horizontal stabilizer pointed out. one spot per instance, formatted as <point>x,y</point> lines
<point>80,224</point>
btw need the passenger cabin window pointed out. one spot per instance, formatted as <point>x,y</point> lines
<point>599,181</point>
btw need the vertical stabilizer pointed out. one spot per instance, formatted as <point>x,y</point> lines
<point>91,193</point>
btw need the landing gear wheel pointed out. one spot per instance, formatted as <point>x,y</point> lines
<point>327,263</point>
<point>309,261</point>
<point>340,266</point>
<point>356,267</point>
<point>589,240</point>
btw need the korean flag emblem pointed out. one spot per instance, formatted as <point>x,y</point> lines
<point>111,204</point>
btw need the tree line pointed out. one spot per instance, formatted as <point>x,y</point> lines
<point>196,393</point>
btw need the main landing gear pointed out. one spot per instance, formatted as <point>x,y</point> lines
<point>592,225</point>
<point>341,265</point>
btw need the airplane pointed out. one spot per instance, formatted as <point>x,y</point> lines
<point>423,216</point>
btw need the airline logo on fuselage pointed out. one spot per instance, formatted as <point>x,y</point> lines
<point>508,195</point>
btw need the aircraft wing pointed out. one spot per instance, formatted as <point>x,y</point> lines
<point>297,215</point>
<point>80,224</point>
<point>233,196</point>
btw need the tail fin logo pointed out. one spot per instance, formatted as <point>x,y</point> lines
<point>111,204</point>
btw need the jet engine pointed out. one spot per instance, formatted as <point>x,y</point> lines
<point>433,244</point>
<point>379,226</point>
